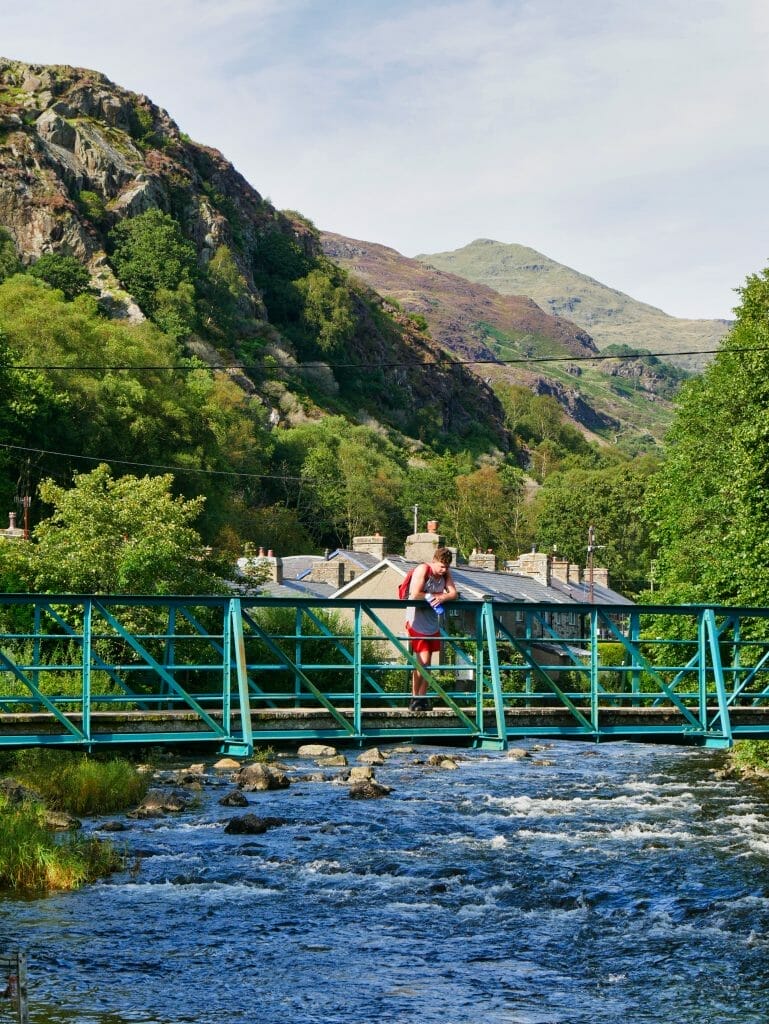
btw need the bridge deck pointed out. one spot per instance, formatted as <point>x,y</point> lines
<point>119,728</point>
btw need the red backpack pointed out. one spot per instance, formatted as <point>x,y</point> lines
<point>405,584</point>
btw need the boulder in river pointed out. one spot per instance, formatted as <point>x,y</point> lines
<point>159,802</point>
<point>337,761</point>
<point>368,789</point>
<point>259,777</point>
<point>226,764</point>
<point>372,756</point>
<point>252,825</point>
<point>234,799</point>
<point>316,750</point>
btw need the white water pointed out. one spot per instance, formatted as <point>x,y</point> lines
<point>619,884</point>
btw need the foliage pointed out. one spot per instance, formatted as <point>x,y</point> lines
<point>327,310</point>
<point>79,783</point>
<point>92,205</point>
<point>611,500</point>
<point>63,272</point>
<point>125,535</point>
<point>539,423</point>
<point>153,259</point>
<point>751,755</point>
<point>188,417</point>
<point>226,306</point>
<point>707,508</point>
<point>9,261</point>
<point>342,480</point>
<point>486,510</point>
<point>33,860</point>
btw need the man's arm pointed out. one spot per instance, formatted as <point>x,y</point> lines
<point>417,587</point>
<point>450,593</point>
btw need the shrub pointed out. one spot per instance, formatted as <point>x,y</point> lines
<point>92,206</point>
<point>63,272</point>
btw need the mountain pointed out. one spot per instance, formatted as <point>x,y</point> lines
<point>170,231</point>
<point>627,399</point>
<point>610,316</point>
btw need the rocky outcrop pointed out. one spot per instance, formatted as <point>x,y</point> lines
<point>79,154</point>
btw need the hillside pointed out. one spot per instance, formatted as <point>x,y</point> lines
<point>610,316</point>
<point>92,171</point>
<point>629,399</point>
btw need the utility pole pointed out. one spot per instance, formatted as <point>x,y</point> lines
<point>590,550</point>
<point>416,510</point>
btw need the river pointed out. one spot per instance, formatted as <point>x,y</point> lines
<point>613,883</point>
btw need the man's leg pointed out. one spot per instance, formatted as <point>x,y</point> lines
<point>418,682</point>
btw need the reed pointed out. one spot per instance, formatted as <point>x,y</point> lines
<point>32,859</point>
<point>79,783</point>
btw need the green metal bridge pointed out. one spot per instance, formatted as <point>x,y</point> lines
<point>108,671</point>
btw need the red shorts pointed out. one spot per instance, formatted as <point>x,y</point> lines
<point>419,642</point>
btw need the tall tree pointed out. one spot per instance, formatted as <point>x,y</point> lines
<point>126,535</point>
<point>610,499</point>
<point>709,505</point>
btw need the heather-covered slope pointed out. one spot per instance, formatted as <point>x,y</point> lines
<point>627,398</point>
<point>610,316</point>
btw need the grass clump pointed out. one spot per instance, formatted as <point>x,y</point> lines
<point>78,783</point>
<point>751,755</point>
<point>33,859</point>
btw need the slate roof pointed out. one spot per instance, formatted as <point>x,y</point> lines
<point>362,559</point>
<point>473,584</point>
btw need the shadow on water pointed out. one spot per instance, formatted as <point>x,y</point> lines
<point>606,884</point>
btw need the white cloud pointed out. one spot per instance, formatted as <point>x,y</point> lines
<point>619,137</point>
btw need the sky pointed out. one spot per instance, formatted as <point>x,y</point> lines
<point>622,138</point>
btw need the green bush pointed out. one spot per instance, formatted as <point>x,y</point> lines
<point>63,272</point>
<point>751,754</point>
<point>92,205</point>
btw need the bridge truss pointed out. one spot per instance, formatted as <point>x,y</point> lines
<point>235,672</point>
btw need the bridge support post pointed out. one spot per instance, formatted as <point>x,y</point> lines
<point>235,644</point>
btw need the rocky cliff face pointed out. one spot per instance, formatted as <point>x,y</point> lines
<point>79,154</point>
<point>67,131</point>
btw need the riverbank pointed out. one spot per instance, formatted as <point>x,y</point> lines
<point>41,849</point>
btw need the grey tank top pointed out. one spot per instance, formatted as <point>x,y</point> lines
<point>421,617</point>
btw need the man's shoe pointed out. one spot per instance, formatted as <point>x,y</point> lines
<point>425,704</point>
<point>415,704</point>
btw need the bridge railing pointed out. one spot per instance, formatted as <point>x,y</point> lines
<point>103,670</point>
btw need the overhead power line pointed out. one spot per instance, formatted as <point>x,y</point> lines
<point>150,465</point>
<point>319,364</point>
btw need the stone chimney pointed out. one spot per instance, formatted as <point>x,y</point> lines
<point>328,571</point>
<point>13,532</point>
<point>375,544</point>
<point>420,547</point>
<point>559,569</point>
<point>483,560</point>
<point>575,573</point>
<point>601,577</point>
<point>535,564</point>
